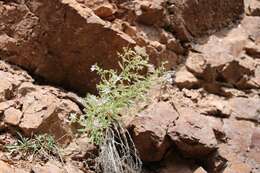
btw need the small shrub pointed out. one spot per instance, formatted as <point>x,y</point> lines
<point>117,90</point>
<point>40,146</point>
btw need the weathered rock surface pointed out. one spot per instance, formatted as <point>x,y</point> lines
<point>6,168</point>
<point>34,108</point>
<point>226,60</point>
<point>68,40</point>
<point>210,115</point>
<point>192,134</point>
<point>218,131</point>
<point>246,108</point>
<point>149,130</point>
<point>195,18</point>
<point>185,79</point>
<point>176,164</point>
<point>61,43</point>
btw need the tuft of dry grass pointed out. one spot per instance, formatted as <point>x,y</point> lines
<point>118,153</point>
<point>42,147</point>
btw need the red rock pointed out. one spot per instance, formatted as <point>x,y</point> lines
<point>74,57</point>
<point>79,149</point>
<point>12,116</point>
<point>255,145</point>
<point>215,107</point>
<point>48,168</point>
<point>185,79</point>
<point>149,130</point>
<point>37,109</point>
<point>246,108</point>
<point>175,46</point>
<point>196,63</point>
<point>5,89</point>
<point>151,13</point>
<point>173,163</point>
<point>5,105</point>
<point>72,169</point>
<point>238,168</point>
<point>43,112</point>
<point>196,18</point>
<point>192,134</point>
<point>252,50</point>
<point>235,131</point>
<point>105,10</point>
<point>5,168</point>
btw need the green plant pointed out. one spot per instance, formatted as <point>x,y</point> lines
<point>41,146</point>
<point>117,90</point>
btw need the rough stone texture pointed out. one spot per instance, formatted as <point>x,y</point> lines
<point>79,149</point>
<point>210,114</point>
<point>228,59</point>
<point>48,168</point>
<point>255,145</point>
<point>64,41</point>
<point>185,79</point>
<point>215,107</point>
<point>246,108</point>
<point>192,134</point>
<point>149,130</point>
<point>12,116</point>
<point>174,163</point>
<point>5,168</point>
<point>222,143</point>
<point>36,109</point>
<point>194,18</point>
<point>65,44</point>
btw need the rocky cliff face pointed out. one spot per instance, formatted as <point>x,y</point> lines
<point>206,121</point>
<point>69,36</point>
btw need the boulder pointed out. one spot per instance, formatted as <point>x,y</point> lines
<point>36,109</point>
<point>246,108</point>
<point>12,116</point>
<point>149,130</point>
<point>225,60</point>
<point>235,131</point>
<point>151,12</point>
<point>185,79</point>
<point>196,63</point>
<point>192,134</point>
<point>43,112</point>
<point>59,49</point>
<point>40,43</point>
<point>105,10</point>
<point>252,50</point>
<point>79,149</point>
<point>196,18</point>
<point>215,107</point>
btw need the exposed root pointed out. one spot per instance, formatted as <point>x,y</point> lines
<point>118,153</point>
